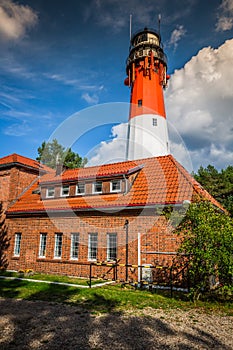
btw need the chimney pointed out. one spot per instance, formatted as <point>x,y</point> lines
<point>59,169</point>
<point>59,165</point>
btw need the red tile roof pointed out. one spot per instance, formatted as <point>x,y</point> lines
<point>159,181</point>
<point>28,162</point>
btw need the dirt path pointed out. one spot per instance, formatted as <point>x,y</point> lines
<point>43,325</point>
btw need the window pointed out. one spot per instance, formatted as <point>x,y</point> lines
<point>74,246</point>
<point>42,250</point>
<point>18,237</point>
<point>154,121</point>
<point>50,192</point>
<point>97,187</point>
<point>80,188</point>
<point>92,246</point>
<point>115,186</point>
<point>58,245</point>
<point>65,190</point>
<point>111,246</point>
<point>139,103</point>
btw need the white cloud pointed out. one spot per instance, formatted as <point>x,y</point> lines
<point>90,99</point>
<point>17,130</point>
<point>225,16</point>
<point>199,103</point>
<point>15,19</point>
<point>176,36</point>
<point>110,151</point>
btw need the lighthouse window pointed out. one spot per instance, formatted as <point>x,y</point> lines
<point>139,103</point>
<point>154,122</point>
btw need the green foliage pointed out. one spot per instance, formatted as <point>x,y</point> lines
<point>4,240</point>
<point>207,246</point>
<point>218,184</point>
<point>50,152</point>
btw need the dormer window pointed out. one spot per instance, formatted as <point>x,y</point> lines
<point>80,188</point>
<point>97,187</point>
<point>115,186</point>
<point>50,191</point>
<point>65,189</point>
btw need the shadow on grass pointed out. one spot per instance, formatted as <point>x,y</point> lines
<point>11,288</point>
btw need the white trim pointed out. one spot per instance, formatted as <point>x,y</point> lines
<point>47,192</point>
<point>55,245</point>
<point>17,244</point>
<point>76,188</point>
<point>115,191</point>
<point>61,191</point>
<point>93,187</point>
<point>89,245</point>
<point>73,234</point>
<point>113,234</point>
<point>40,246</point>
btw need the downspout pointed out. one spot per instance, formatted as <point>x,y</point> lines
<point>139,258</point>
<point>126,184</point>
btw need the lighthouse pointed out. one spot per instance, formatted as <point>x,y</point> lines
<point>147,78</point>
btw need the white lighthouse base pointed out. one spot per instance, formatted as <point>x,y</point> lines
<point>147,137</point>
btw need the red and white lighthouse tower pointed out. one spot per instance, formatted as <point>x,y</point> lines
<point>147,77</point>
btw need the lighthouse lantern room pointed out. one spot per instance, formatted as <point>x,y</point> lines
<point>147,77</point>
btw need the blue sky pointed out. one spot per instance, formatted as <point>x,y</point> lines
<point>63,57</point>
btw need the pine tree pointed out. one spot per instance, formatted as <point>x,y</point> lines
<point>50,152</point>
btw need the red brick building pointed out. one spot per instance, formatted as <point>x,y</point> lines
<point>60,223</point>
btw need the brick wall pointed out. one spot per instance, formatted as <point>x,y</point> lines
<point>4,186</point>
<point>13,182</point>
<point>155,237</point>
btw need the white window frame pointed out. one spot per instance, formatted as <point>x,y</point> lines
<point>94,187</point>
<point>48,189</point>
<point>77,189</point>
<point>111,238</point>
<point>58,245</point>
<point>111,186</point>
<point>74,246</point>
<point>43,243</point>
<point>92,246</point>
<point>65,187</point>
<point>18,238</point>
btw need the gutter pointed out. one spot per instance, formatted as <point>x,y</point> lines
<point>17,164</point>
<point>106,209</point>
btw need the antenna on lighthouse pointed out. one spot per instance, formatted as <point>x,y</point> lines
<point>130,27</point>
<point>159,22</point>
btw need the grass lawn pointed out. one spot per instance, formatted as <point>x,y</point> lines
<point>51,278</point>
<point>105,299</point>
